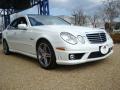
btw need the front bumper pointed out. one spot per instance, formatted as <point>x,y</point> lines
<point>89,53</point>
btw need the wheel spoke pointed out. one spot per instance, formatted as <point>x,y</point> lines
<point>40,50</point>
<point>39,56</point>
<point>45,48</point>
<point>45,61</point>
<point>48,55</point>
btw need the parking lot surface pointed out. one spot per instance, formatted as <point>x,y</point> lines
<point>18,72</point>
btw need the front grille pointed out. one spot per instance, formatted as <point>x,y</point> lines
<point>97,38</point>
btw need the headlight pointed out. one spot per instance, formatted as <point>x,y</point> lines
<point>68,37</point>
<point>81,39</point>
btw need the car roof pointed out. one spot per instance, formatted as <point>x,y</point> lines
<point>20,15</point>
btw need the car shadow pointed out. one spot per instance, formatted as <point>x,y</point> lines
<point>79,66</point>
<point>59,67</point>
<point>24,58</point>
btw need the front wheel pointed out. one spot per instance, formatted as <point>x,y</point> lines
<point>46,55</point>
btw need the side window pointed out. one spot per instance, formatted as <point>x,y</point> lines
<point>15,23</point>
<point>34,22</point>
<point>22,20</point>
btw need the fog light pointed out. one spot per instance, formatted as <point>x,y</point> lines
<point>72,57</point>
<point>76,56</point>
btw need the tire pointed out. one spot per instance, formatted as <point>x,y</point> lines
<point>5,48</point>
<point>0,41</point>
<point>46,55</point>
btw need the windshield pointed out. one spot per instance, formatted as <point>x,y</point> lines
<point>37,20</point>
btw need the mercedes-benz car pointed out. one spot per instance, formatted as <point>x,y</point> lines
<point>53,41</point>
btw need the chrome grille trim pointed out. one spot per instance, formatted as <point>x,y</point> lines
<point>97,37</point>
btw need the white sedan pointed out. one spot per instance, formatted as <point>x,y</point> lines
<point>54,41</point>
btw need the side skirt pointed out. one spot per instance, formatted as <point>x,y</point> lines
<point>23,53</point>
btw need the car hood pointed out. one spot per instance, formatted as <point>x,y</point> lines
<point>71,29</point>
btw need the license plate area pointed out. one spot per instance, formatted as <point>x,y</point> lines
<point>104,49</point>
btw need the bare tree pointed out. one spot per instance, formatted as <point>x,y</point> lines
<point>80,17</point>
<point>94,20</point>
<point>102,15</point>
<point>110,11</point>
<point>118,5</point>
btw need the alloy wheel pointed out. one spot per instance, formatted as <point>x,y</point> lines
<point>44,54</point>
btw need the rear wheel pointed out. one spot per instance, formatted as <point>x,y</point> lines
<point>46,55</point>
<point>5,48</point>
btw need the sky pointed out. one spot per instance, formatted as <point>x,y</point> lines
<point>66,7</point>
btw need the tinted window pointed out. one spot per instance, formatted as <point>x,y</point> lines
<point>37,20</point>
<point>15,23</point>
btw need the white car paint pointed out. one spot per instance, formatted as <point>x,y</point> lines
<point>24,42</point>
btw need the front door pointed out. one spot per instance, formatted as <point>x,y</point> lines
<point>24,40</point>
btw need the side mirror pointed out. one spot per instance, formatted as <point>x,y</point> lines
<point>22,26</point>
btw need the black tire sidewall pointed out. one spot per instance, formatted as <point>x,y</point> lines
<point>7,52</point>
